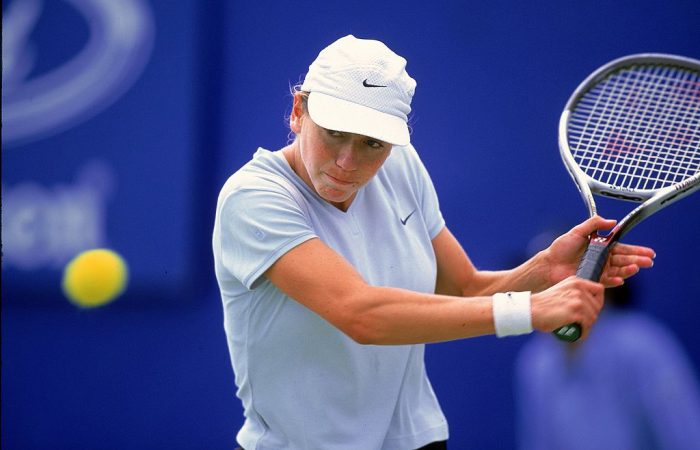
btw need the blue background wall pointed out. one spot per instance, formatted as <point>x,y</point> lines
<point>209,82</point>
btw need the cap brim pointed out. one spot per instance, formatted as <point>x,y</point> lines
<point>341,115</point>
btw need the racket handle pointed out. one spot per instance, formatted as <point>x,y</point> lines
<point>590,268</point>
<point>568,333</point>
<point>593,260</point>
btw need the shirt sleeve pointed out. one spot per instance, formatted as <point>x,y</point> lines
<point>257,227</point>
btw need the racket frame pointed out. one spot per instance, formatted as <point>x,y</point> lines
<point>652,200</point>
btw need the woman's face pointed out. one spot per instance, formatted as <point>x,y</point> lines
<point>335,164</point>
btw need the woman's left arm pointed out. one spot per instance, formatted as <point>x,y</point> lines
<point>457,275</point>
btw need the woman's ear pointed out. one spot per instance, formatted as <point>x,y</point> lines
<point>297,116</point>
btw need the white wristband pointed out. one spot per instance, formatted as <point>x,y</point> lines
<point>512,314</point>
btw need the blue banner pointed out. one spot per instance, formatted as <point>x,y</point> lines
<point>99,144</point>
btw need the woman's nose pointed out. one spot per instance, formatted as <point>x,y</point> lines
<point>346,158</point>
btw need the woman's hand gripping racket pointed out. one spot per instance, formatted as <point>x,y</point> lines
<point>631,131</point>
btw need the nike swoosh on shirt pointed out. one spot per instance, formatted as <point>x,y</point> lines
<point>403,221</point>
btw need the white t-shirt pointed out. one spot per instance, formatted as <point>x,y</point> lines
<point>303,383</point>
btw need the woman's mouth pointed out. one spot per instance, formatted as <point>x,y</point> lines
<point>338,181</point>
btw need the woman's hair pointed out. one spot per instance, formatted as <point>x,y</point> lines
<point>296,89</point>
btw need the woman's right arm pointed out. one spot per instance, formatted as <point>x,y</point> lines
<point>319,278</point>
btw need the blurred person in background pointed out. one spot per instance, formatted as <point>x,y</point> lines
<point>629,386</point>
<point>335,268</point>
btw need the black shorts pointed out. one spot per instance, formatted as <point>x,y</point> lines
<point>442,445</point>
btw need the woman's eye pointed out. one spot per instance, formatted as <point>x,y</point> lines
<point>375,144</point>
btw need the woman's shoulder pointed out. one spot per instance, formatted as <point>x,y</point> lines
<point>405,163</point>
<point>265,171</point>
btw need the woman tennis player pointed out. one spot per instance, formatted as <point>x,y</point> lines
<point>335,268</point>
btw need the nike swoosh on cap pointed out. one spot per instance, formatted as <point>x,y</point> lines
<point>366,84</point>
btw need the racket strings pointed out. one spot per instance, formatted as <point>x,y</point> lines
<point>626,137</point>
<point>639,128</point>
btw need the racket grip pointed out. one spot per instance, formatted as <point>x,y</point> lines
<point>590,268</point>
<point>568,333</point>
<point>593,261</point>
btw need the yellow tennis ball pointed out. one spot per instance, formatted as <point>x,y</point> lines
<point>95,277</point>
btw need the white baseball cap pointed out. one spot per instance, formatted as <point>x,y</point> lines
<point>360,86</point>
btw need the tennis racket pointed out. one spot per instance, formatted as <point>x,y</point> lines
<point>631,131</point>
